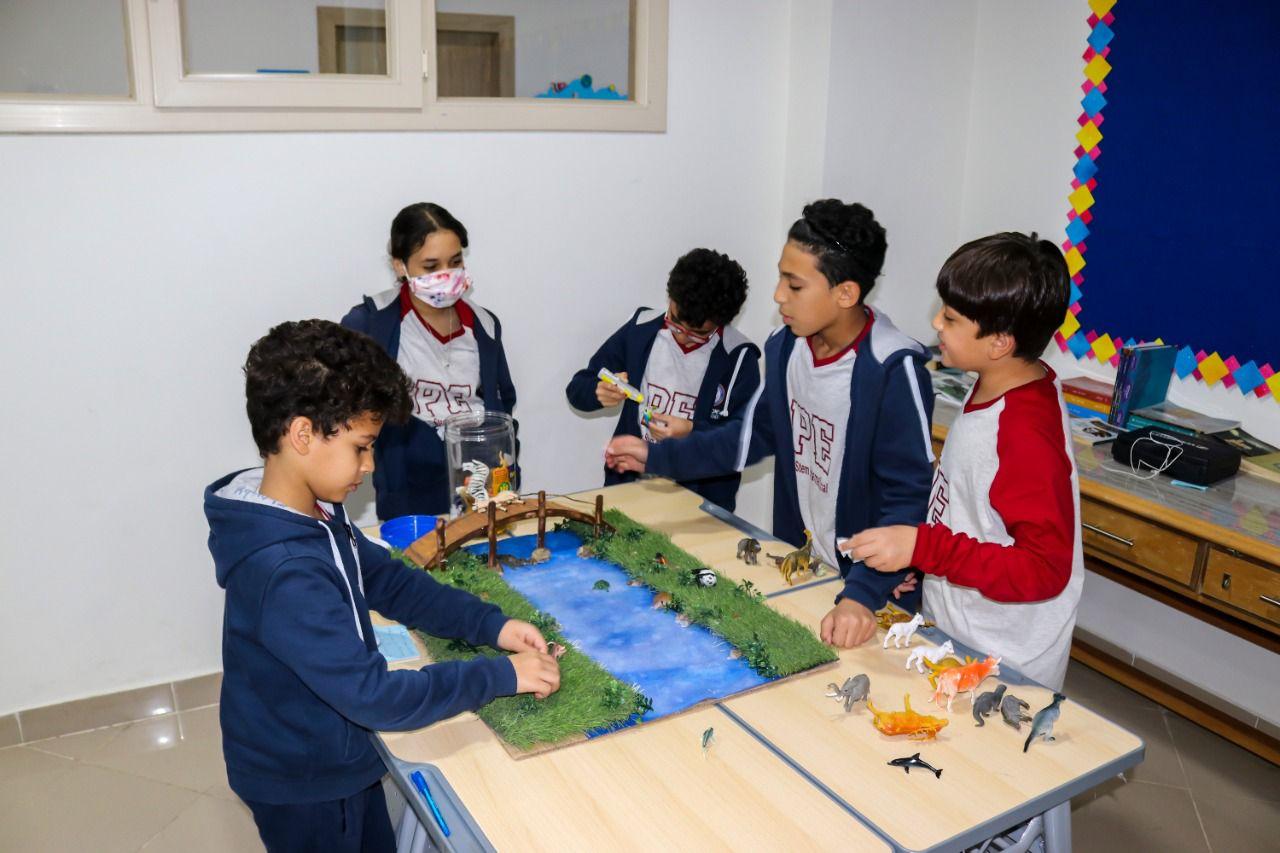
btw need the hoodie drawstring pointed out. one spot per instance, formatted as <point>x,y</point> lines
<point>342,571</point>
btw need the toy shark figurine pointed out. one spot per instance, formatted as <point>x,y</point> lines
<point>915,761</point>
<point>987,704</point>
<point>1042,725</point>
<point>1012,708</point>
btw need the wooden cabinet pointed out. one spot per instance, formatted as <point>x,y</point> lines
<point>1117,536</point>
<point>1243,584</point>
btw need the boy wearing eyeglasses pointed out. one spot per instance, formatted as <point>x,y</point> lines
<point>692,368</point>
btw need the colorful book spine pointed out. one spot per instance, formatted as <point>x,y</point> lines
<point>1138,422</point>
<point>1119,412</point>
<point>1088,394</point>
<point>1103,408</point>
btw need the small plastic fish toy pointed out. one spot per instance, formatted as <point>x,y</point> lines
<point>1013,710</point>
<point>1042,725</point>
<point>987,704</point>
<point>916,761</point>
<point>964,679</point>
<point>855,689</point>
<point>682,620</point>
<point>704,577</point>
<point>906,722</point>
<point>708,737</point>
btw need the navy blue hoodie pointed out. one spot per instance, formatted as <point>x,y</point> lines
<point>412,474</point>
<point>733,374</point>
<point>888,457</point>
<point>303,683</point>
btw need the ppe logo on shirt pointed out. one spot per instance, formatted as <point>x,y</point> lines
<point>433,402</point>
<point>812,438</point>
<point>938,500</point>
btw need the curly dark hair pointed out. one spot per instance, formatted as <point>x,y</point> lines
<point>1012,283</point>
<point>319,370</point>
<point>707,286</point>
<point>846,239</point>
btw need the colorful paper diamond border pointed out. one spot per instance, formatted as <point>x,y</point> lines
<point>1210,368</point>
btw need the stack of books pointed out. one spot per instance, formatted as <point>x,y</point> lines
<point>1142,379</point>
<point>1086,397</point>
<point>1259,458</point>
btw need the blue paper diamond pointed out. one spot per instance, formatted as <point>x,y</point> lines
<point>1085,168</point>
<point>1248,377</point>
<point>1185,364</point>
<point>1078,345</point>
<point>1093,102</point>
<point>1101,36</point>
<point>1077,231</point>
<point>1075,294</point>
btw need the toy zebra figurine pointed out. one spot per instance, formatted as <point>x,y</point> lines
<point>477,483</point>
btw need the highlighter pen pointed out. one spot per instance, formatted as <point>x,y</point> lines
<point>421,784</point>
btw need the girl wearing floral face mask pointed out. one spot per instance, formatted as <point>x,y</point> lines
<point>450,348</point>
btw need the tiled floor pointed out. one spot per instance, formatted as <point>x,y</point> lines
<point>160,785</point>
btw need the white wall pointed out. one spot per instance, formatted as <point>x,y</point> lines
<point>139,269</point>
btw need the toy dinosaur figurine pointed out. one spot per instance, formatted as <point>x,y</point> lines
<point>920,654</point>
<point>749,551</point>
<point>796,562</point>
<point>987,704</point>
<point>854,689</point>
<point>906,722</point>
<point>964,679</point>
<point>936,669</point>
<point>902,632</point>
<point>1012,710</point>
<point>1042,725</point>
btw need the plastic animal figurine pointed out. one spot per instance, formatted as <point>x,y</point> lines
<point>915,761</point>
<point>1012,710</point>
<point>854,689</point>
<point>749,551</point>
<point>708,737</point>
<point>902,632</point>
<point>964,679</point>
<point>933,654</point>
<point>661,600</point>
<point>797,561</point>
<point>888,616</point>
<point>601,584</point>
<point>660,562</point>
<point>906,722</point>
<point>704,577</point>
<point>556,650</point>
<point>936,669</point>
<point>987,704</point>
<point>1042,725</point>
<point>478,482</point>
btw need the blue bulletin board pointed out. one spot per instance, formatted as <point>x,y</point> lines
<point>1174,234</point>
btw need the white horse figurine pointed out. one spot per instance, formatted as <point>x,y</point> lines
<point>901,632</point>
<point>932,654</point>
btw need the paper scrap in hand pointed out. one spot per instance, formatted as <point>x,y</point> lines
<point>395,644</point>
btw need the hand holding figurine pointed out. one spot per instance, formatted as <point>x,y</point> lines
<point>885,549</point>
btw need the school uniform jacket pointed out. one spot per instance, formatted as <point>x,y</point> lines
<point>412,474</point>
<point>888,456</point>
<point>731,378</point>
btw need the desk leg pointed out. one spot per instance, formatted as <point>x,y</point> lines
<point>1057,829</point>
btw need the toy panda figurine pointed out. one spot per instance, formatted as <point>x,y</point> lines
<point>704,577</point>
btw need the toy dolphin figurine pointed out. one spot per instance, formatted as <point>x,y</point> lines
<point>915,761</point>
<point>708,736</point>
<point>987,704</point>
<point>1012,708</point>
<point>853,690</point>
<point>1042,725</point>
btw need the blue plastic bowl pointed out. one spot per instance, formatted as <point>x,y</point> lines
<point>404,531</point>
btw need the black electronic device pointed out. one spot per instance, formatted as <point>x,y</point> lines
<point>1190,458</point>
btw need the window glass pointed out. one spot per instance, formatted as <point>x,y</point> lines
<point>63,47</point>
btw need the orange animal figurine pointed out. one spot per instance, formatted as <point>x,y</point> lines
<point>907,722</point>
<point>964,679</point>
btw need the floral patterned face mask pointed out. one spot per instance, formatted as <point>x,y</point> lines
<point>440,289</point>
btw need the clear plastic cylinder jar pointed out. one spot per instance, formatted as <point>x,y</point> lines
<point>481,448</point>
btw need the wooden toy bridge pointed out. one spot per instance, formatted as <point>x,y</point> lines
<point>431,550</point>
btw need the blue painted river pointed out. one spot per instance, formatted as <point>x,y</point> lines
<point>675,667</point>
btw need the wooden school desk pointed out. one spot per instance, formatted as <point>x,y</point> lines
<point>789,769</point>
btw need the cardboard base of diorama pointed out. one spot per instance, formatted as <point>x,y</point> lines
<point>621,730</point>
<point>647,629</point>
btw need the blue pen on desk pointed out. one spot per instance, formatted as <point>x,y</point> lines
<point>421,784</point>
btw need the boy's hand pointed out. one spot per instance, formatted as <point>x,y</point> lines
<point>848,624</point>
<point>518,636</point>
<point>885,549</point>
<point>906,586</point>
<point>626,453</point>
<point>669,426</point>
<point>608,394</point>
<point>536,673</point>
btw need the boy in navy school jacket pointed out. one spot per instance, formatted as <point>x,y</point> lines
<point>695,370</point>
<point>303,682</point>
<point>843,410</point>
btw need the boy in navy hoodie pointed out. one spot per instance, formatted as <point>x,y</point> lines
<point>694,369</point>
<point>843,411</point>
<point>303,682</point>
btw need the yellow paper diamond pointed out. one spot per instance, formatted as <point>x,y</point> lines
<point>1089,136</point>
<point>1081,199</point>
<point>1273,385</point>
<point>1254,522</point>
<point>1075,260</point>
<point>1069,326</point>
<point>1097,69</point>
<point>1101,7</point>
<point>1212,369</point>
<point>1104,348</point>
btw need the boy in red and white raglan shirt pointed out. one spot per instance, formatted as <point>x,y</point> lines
<point>1000,545</point>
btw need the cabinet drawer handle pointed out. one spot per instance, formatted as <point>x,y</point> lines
<point>1128,543</point>
<point>1269,600</point>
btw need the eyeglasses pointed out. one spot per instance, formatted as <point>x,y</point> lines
<point>688,334</point>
